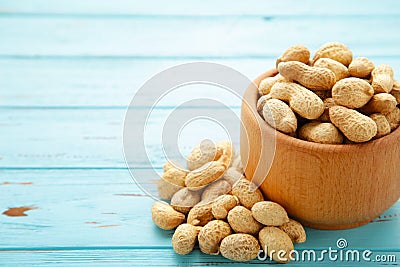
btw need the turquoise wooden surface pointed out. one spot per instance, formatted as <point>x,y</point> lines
<point>68,70</point>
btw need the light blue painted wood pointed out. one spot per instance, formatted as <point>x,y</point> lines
<point>198,7</point>
<point>67,200</point>
<point>69,68</point>
<point>103,83</point>
<point>173,37</point>
<point>92,83</point>
<point>89,137</point>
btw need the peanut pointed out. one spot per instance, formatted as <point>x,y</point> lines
<point>361,67</point>
<point>336,51</point>
<point>276,242</point>
<point>295,53</point>
<point>396,91</point>
<point>321,132</point>
<point>380,103</point>
<point>338,68</point>
<point>354,125</point>
<point>166,189</point>
<point>175,176</point>
<point>198,179</point>
<point>240,247</point>
<point>222,205</point>
<point>185,238</point>
<point>279,115</point>
<point>247,193</point>
<point>352,92</point>
<point>295,231</point>
<point>214,190</point>
<point>328,103</point>
<point>301,100</point>
<point>269,213</point>
<point>227,153</point>
<point>265,85</point>
<point>241,220</point>
<point>184,200</point>
<point>200,214</point>
<point>232,175</point>
<point>211,235</point>
<point>168,165</point>
<point>313,78</point>
<point>261,103</point>
<point>382,79</point>
<point>382,124</point>
<point>205,219</point>
<point>203,153</point>
<point>393,118</point>
<point>165,217</point>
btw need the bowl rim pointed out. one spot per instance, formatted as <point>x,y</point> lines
<point>252,96</point>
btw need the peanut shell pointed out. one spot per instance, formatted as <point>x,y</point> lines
<point>352,92</point>
<point>295,231</point>
<point>184,238</point>
<point>361,67</point>
<point>313,78</point>
<point>241,220</point>
<point>336,51</point>
<point>274,239</point>
<point>222,205</point>
<point>247,193</point>
<point>354,125</point>
<point>165,217</point>
<point>211,235</point>
<point>269,213</point>
<point>199,178</point>
<point>240,247</point>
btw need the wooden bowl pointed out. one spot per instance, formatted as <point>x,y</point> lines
<point>323,186</point>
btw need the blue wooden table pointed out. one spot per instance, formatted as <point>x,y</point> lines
<point>68,70</point>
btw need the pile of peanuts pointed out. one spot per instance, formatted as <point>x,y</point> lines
<point>212,203</point>
<point>331,99</point>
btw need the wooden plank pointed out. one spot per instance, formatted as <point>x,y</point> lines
<point>256,38</point>
<point>80,209</point>
<point>103,83</point>
<point>97,83</point>
<point>93,137</point>
<point>197,7</point>
<point>152,257</point>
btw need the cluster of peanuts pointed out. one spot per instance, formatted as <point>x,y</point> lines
<point>331,99</point>
<point>212,203</point>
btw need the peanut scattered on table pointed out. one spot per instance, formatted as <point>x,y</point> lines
<point>220,209</point>
<point>240,247</point>
<point>353,90</point>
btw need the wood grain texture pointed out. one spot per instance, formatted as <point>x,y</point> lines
<point>141,38</point>
<point>71,138</point>
<point>96,83</point>
<point>76,206</point>
<point>106,83</point>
